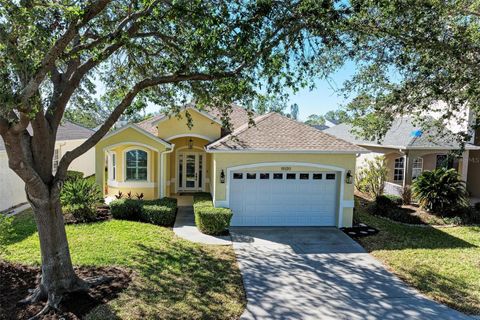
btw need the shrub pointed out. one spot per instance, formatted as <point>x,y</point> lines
<point>464,215</point>
<point>396,200</point>
<point>158,214</point>
<point>74,175</point>
<point>371,179</point>
<point>160,211</point>
<point>210,220</point>
<point>126,209</point>
<point>407,195</point>
<point>440,191</point>
<point>214,221</point>
<point>80,197</point>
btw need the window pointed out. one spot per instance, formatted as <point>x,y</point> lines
<point>114,167</point>
<point>264,176</point>
<point>278,176</point>
<point>56,159</point>
<point>317,176</point>
<point>303,176</point>
<point>251,176</point>
<point>417,167</point>
<point>136,165</point>
<point>238,176</point>
<point>291,176</point>
<point>398,169</point>
<point>330,176</point>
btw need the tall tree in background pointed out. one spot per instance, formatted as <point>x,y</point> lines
<point>53,54</point>
<point>413,58</point>
<point>315,119</point>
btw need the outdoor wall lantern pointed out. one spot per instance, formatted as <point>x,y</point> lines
<point>348,177</point>
<point>222,177</point>
<point>190,143</point>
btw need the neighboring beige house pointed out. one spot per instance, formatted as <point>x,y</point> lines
<point>409,151</point>
<point>69,136</point>
<point>279,172</point>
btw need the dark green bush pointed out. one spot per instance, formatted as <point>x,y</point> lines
<point>80,198</point>
<point>214,221</point>
<point>440,191</point>
<point>210,220</point>
<point>158,214</point>
<point>396,200</point>
<point>74,175</point>
<point>465,215</point>
<point>159,211</point>
<point>384,202</point>
<point>126,209</point>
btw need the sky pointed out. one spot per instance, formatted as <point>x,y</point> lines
<point>323,98</point>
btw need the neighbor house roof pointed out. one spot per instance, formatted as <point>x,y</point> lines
<point>275,133</point>
<point>66,131</point>
<point>404,134</point>
<point>237,117</point>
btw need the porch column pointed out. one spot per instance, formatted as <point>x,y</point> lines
<point>464,167</point>
<point>409,157</point>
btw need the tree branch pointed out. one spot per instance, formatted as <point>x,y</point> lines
<point>58,48</point>
<point>120,108</point>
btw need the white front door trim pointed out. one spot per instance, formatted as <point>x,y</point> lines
<point>180,152</point>
<point>292,164</point>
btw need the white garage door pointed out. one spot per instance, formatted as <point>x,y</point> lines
<point>283,199</point>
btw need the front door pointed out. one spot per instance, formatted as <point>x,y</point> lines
<point>190,171</point>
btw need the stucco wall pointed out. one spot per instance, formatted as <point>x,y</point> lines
<point>181,145</point>
<point>223,161</point>
<point>85,163</point>
<point>12,188</point>
<point>202,126</point>
<point>118,144</point>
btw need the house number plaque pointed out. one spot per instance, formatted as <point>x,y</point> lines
<point>286,168</point>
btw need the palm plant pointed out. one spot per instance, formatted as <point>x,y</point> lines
<point>440,191</point>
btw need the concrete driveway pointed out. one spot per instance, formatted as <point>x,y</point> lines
<point>320,273</point>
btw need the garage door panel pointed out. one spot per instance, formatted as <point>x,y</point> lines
<point>282,202</point>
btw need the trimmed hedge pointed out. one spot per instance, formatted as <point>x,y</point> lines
<point>73,175</point>
<point>210,220</point>
<point>161,212</point>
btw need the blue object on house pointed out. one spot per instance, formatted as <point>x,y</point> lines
<point>416,133</point>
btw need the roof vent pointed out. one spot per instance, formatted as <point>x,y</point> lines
<point>416,133</point>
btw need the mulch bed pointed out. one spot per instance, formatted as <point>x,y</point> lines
<point>16,279</point>
<point>103,214</point>
<point>359,231</point>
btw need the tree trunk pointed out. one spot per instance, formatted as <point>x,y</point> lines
<point>58,276</point>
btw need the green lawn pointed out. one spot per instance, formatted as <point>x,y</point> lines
<point>443,263</point>
<point>173,278</point>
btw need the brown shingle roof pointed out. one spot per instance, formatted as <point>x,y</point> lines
<point>238,117</point>
<point>274,132</point>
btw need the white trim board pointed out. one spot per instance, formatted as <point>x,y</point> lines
<point>194,135</point>
<point>140,130</point>
<point>286,151</point>
<point>226,202</point>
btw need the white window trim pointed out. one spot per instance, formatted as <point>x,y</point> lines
<point>402,168</point>
<point>418,169</point>
<point>125,165</point>
<point>56,159</point>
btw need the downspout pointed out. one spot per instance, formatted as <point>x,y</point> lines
<point>160,173</point>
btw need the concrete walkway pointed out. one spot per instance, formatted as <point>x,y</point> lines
<point>320,273</point>
<point>17,210</point>
<point>185,227</point>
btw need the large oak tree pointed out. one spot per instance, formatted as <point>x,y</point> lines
<point>55,54</point>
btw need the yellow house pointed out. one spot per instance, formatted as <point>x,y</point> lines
<point>278,172</point>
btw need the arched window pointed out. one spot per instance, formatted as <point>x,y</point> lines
<point>136,165</point>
